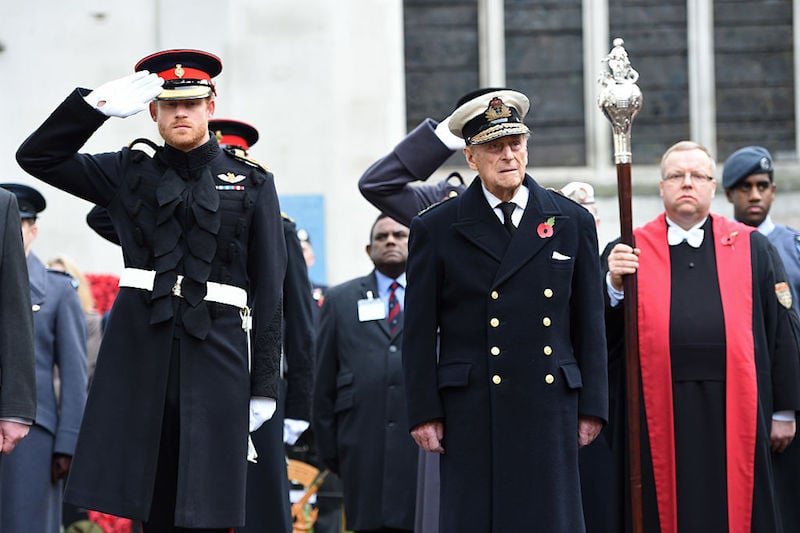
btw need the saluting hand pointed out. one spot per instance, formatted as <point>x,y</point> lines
<point>429,435</point>
<point>622,260</point>
<point>126,96</point>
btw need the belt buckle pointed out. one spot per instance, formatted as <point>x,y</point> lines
<point>176,289</point>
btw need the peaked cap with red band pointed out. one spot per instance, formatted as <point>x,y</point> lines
<point>233,133</point>
<point>187,74</point>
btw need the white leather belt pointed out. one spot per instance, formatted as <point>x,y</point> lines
<point>138,278</point>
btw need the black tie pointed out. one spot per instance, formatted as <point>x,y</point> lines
<point>507,208</point>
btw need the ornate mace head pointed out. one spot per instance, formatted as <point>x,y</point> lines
<point>620,98</point>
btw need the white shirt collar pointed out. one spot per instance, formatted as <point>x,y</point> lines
<point>520,197</point>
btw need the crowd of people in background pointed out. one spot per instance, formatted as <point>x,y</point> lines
<point>472,381</point>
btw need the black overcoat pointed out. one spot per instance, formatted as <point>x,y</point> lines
<point>17,362</point>
<point>522,355</point>
<point>359,411</point>
<point>209,217</point>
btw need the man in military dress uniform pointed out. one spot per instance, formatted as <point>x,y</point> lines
<point>505,276</point>
<point>32,484</point>
<point>165,434</point>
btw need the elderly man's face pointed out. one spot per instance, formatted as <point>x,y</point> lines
<point>687,186</point>
<point>183,123</point>
<point>500,164</point>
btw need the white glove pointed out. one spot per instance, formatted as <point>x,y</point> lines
<point>448,139</point>
<point>261,410</point>
<point>292,429</point>
<point>126,96</point>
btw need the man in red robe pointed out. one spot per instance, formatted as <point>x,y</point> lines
<point>719,357</point>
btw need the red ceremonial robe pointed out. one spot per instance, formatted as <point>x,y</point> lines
<point>732,249</point>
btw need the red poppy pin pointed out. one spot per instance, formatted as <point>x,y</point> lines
<point>727,240</point>
<point>545,229</point>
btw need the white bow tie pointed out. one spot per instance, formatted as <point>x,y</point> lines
<point>676,235</point>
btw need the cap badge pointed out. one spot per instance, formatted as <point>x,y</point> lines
<point>765,165</point>
<point>497,110</point>
<point>179,72</point>
<point>218,135</point>
<point>230,177</point>
<point>784,294</point>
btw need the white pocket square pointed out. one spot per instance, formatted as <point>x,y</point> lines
<point>560,257</point>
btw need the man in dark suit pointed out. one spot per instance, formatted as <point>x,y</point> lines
<point>359,411</point>
<point>514,293</point>
<point>33,479</point>
<point>18,389</point>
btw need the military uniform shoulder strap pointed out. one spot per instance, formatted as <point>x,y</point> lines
<point>239,155</point>
<point>435,205</point>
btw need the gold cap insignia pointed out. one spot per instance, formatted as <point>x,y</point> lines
<point>230,177</point>
<point>784,294</point>
<point>497,110</point>
<point>179,72</point>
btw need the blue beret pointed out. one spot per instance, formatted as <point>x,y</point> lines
<point>744,162</point>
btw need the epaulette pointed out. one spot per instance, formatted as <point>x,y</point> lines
<point>239,155</point>
<point>74,282</point>
<point>440,202</point>
<point>287,217</point>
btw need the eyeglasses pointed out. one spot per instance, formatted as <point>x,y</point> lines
<point>746,186</point>
<point>679,177</point>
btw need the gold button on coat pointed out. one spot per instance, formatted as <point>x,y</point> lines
<point>548,350</point>
<point>548,293</point>
<point>546,321</point>
<point>495,350</point>
<point>549,379</point>
<point>495,295</point>
<point>496,379</point>
<point>494,322</point>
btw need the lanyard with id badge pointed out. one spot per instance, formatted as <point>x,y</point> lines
<point>371,308</point>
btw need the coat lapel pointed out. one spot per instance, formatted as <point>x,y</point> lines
<point>526,241</point>
<point>478,223</point>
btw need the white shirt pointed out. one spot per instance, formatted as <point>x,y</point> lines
<point>520,199</point>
